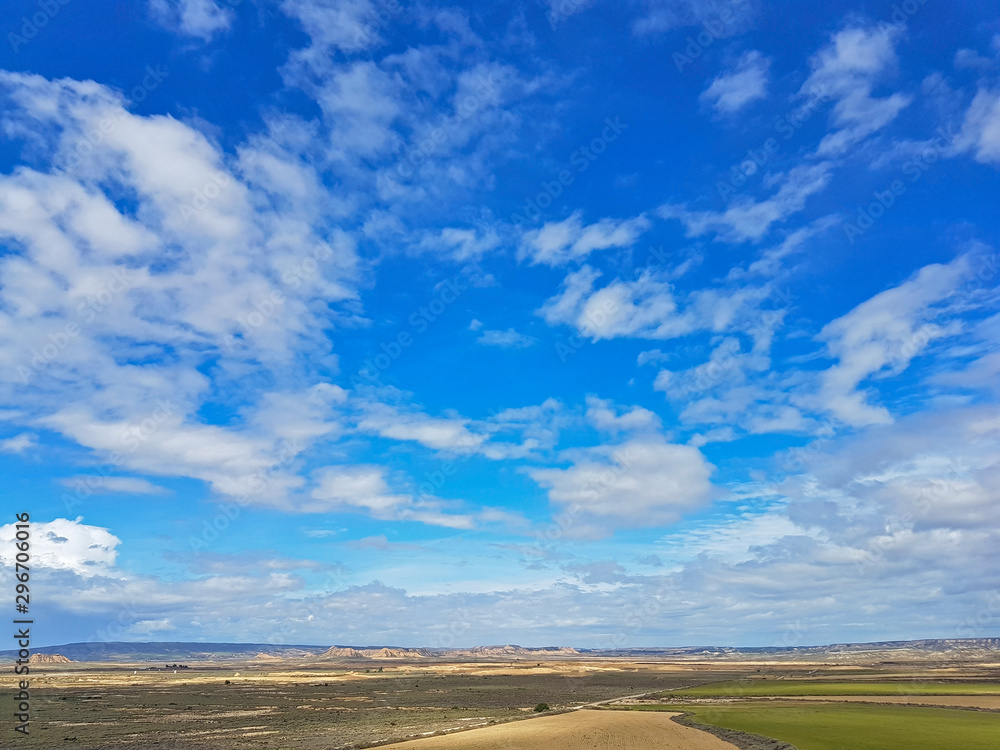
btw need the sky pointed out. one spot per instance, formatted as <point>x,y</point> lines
<point>555,322</point>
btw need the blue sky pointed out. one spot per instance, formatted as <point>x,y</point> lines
<point>659,322</point>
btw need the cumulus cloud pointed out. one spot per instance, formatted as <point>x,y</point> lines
<point>605,416</point>
<point>65,545</point>
<point>641,482</point>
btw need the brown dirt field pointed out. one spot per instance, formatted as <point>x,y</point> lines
<point>579,730</point>
<point>967,701</point>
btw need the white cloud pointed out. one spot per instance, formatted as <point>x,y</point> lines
<point>438,433</point>
<point>128,485</point>
<point>604,416</point>
<point>89,287</point>
<point>846,70</point>
<point>146,627</point>
<point>981,128</point>
<point>62,544</point>
<point>724,17</point>
<point>358,488</point>
<point>770,262</point>
<point>363,488</point>
<point>198,18</point>
<point>883,334</point>
<point>460,244</point>
<point>739,86</point>
<point>19,443</point>
<point>644,308</point>
<point>747,219</point>
<point>509,339</point>
<point>345,25</point>
<point>641,482</point>
<point>560,242</point>
<point>651,356</point>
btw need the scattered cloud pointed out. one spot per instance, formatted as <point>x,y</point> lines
<point>202,19</point>
<point>509,339</point>
<point>127,485</point>
<point>561,242</point>
<point>18,443</point>
<point>739,86</point>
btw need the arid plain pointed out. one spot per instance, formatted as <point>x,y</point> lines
<point>489,700</point>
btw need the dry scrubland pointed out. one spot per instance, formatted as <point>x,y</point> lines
<point>311,705</point>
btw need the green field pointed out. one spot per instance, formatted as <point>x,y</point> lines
<point>757,688</point>
<point>858,727</point>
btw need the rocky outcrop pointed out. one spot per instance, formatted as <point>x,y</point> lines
<point>510,651</point>
<point>48,659</point>
<point>341,652</point>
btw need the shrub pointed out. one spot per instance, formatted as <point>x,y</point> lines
<point>541,707</point>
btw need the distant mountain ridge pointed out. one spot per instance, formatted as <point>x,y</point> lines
<point>265,652</point>
<point>128,651</point>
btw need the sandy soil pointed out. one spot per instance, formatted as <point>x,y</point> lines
<point>579,730</point>
<point>969,701</point>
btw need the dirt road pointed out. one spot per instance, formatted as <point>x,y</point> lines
<point>578,730</point>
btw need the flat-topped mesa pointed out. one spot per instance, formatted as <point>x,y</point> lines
<point>346,652</point>
<point>49,659</point>
<point>513,651</point>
